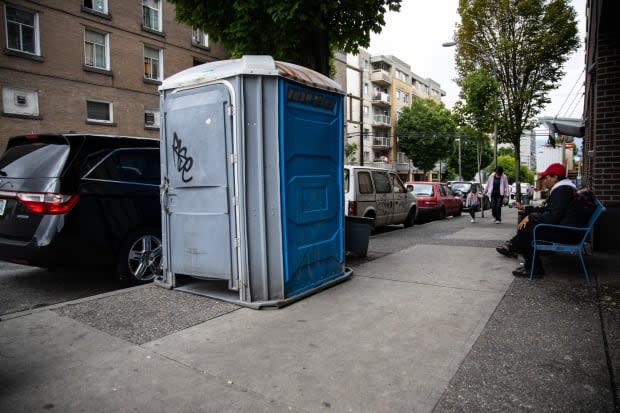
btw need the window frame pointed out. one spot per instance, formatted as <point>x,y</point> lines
<point>104,3</point>
<point>101,121</point>
<point>200,38</point>
<point>106,47</point>
<point>36,31</point>
<point>159,11</point>
<point>160,68</point>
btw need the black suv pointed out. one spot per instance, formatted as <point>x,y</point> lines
<point>82,200</point>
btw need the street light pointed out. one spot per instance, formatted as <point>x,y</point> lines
<point>460,175</point>
<point>494,73</point>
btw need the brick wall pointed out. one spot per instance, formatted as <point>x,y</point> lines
<point>63,85</point>
<point>602,113</point>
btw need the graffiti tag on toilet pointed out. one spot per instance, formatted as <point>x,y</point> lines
<point>182,162</point>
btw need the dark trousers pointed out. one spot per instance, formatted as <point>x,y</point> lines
<point>496,207</point>
<point>522,241</point>
<point>472,211</point>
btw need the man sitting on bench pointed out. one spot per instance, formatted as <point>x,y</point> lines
<point>560,208</point>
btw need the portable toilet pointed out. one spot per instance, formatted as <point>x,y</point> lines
<point>252,181</point>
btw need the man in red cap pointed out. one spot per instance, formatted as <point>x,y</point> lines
<point>562,192</point>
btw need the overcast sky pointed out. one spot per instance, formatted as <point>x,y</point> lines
<point>415,35</point>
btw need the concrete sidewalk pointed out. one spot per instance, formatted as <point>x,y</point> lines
<point>397,337</point>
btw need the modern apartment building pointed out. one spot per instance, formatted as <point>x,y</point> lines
<point>91,65</point>
<point>383,86</point>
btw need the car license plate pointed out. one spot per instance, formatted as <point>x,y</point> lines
<point>2,205</point>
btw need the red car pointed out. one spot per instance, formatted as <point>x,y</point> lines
<point>435,200</point>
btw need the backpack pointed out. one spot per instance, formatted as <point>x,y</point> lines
<point>580,208</point>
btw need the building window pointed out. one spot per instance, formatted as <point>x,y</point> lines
<point>406,97</point>
<point>20,102</point>
<point>22,30</point>
<point>365,88</point>
<point>97,111</point>
<point>200,38</point>
<point>151,10</point>
<point>100,6</point>
<point>398,93</point>
<point>152,63</point>
<point>151,118</point>
<point>366,64</point>
<point>96,49</point>
<point>365,110</point>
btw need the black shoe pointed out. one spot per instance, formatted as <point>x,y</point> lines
<point>525,272</point>
<point>507,251</point>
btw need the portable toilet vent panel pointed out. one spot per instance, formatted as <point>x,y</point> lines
<point>252,185</point>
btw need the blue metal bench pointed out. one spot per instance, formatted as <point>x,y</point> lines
<point>575,249</point>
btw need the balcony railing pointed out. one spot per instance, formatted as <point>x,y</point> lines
<point>383,142</point>
<point>383,119</point>
<point>382,99</point>
<point>381,77</point>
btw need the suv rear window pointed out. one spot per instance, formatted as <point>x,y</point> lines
<point>34,160</point>
<point>129,165</point>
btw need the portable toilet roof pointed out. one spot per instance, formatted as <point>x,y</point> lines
<point>251,65</point>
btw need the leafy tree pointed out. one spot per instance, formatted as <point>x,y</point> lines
<point>298,31</point>
<point>471,141</point>
<point>426,132</point>
<point>349,149</point>
<point>523,46</point>
<point>508,163</point>
<point>506,152</point>
<point>478,110</point>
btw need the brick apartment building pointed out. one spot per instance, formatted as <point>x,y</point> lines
<point>601,148</point>
<point>91,65</point>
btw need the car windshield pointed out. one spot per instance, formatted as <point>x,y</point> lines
<point>463,187</point>
<point>422,189</point>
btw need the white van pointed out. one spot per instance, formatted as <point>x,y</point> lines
<point>377,193</point>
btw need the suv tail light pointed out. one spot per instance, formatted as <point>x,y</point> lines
<point>47,203</point>
<point>352,208</point>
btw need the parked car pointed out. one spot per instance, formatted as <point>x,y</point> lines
<point>434,200</point>
<point>377,193</point>
<point>527,193</point>
<point>82,200</point>
<point>462,190</point>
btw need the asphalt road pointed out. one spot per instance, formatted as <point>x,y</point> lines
<point>24,288</point>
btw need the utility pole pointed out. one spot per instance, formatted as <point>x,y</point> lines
<point>361,116</point>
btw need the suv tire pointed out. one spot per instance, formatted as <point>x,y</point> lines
<point>140,257</point>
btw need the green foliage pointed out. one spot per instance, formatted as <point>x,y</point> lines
<point>506,151</point>
<point>298,31</point>
<point>426,132</point>
<point>349,149</point>
<point>479,105</point>
<point>508,163</point>
<point>523,45</point>
<point>471,140</point>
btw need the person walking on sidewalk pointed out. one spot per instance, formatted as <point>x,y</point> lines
<point>472,202</point>
<point>497,187</point>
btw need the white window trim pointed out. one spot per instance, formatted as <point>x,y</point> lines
<point>110,111</point>
<point>200,38</point>
<point>107,48</point>
<point>37,43</point>
<point>160,73</point>
<point>159,16</point>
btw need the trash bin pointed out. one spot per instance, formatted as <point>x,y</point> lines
<point>252,181</point>
<point>357,235</point>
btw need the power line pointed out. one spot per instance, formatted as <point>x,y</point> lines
<point>571,92</point>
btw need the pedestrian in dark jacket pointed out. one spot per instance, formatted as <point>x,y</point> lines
<point>562,192</point>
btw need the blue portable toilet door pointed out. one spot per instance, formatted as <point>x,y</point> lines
<point>201,232</point>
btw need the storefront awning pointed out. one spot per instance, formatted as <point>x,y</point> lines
<point>564,126</point>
